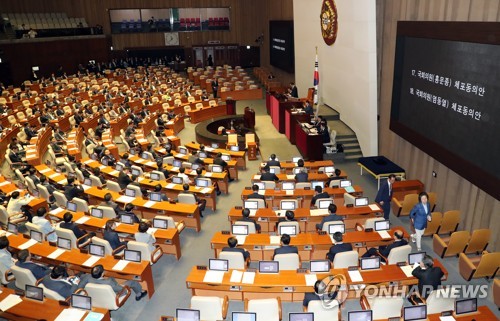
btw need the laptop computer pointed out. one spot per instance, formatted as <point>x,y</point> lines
<point>136,172</point>
<point>269,267</point>
<point>465,306</point>
<point>64,243</point>
<point>287,229</point>
<point>218,265</point>
<point>12,228</point>
<point>234,148</point>
<point>361,201</point>
<point>415,313</point>
<point>37,236</point>
<point>127,218</point>
<point>251,205</point>
<point>81,302</point>
<point>201,183</point>
<point>370,263</point>
<point>304,316</point>
<point>261,185</point>
<point>319,266</point>
<point>287,205</point>
<point>288,186</point>
<point>334,228</point>
<point>97,250</point>
<point>97,212</point>
<point>324,204</point>
<point>33,293</point>
<point>239,229</point>
<point>244,316</point>
<point>177,163</point>
<point>155,196</point>
<point>415,257</point>
<point>177,180</point>
<point>132,256</point>
<point>154,176</point>
<point>70,206</point>
<point>225,157</point>
<point>87,181</point>
<point>160,223</point>
<point>317,183</point>
<point>217,169</point>
<point>129,192</point>
<point>366,315</point>
<point>187,315</point>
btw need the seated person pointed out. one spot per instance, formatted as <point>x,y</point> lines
<point>50,188</point>
<point>202,203</point>
<point>302,176</point>
<point>316,295</point>
<point>32,175</point>
<point>17,161</point>
<point>334,177</point>
<point>318,194</point>
<point>108,201</point>
<point>331,217</point>
<point>123,178</point>
<point>69,225</point>
<point>232,242</point>
<point>285,246</point>
<point>99,175</point>
<point>74,189</point>
<point>144,237</point>
<point>129,210</point>
<point>338,247</point>
<point>308,109</point>
<point>183,175</point>
<point>58,281</point>
<point>384,250</point>
<point>272,162</point>
<point>255,194</point>
<point>429,276</point>
<point>108,158</point>
<point>47,229</point>
<point>15,204</point>
<point>219,161</point>
<point>245,213</point>
<point>268,176</point>
<point>162,169</point>
<point>24,261</point>
<point>289,217</point>
<point>6,260</point>
<point>125,161</point>
<point>158,189</point>
<point>96,276</point>
<point>111,236</point>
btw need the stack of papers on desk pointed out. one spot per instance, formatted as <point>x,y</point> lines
<point>373,207</point>
<point>63,182</point>
<point>236,276</point>
<point>71,314</point>
<point>45,170</point>
<point>91,261</point>
<point>120,265</point>
<point>408,269</point>
<point>114,173</point>
<point>56,211</point>
<point>208,174</point>
<point>262,192</point>
<point>280,212</point>
<point>349,189</point>
<point>253,213</point>
<point>290,176</point>
<point>150,163</point>
<point>82,220</point>
<point>102,167</point>
<point>274,239</point>
<point>248,277</point>
<point>149,204</point>
<point>54,175</point>
<point>88,161</point>
<point>10,301</point>
<point>54,255</point>
<point>213,277</point>
<point>206,190</point>
<point>310,279</point>
<point>241,239</point>
<point>319,212</point>
<point>27,244</point>
<point>256,176</point>
<point>4,183</point>
<point>171,185</point>
<point>289,192</point>
<point>384,234</point>
<point>125,199</point>
<point>355,276</point>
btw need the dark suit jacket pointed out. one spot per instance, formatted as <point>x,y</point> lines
<point>329,218</point>
<point>246,255</point>
<point>285,249</point>
<point>320,195</point>
<point>385,250</point>
<point>38,271</point>
<point>64,288</point>
<point>113,239</point>
<point>268,177</point>
<point>428,277</point>
<point>302,177</point>
<point>383,193</point>
<point>123,180</point>
<point>248,219</point>
<point>272,163</point>
<point>72,191</point>
<point>256,196</point>
<point>220,161</point>
<point>338,248</point>
<point>294,92</point>
<point>72,226</point>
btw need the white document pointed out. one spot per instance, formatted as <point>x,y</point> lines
<point>85,187</point>
<point>236,276</point>
<point>91,261</point>
<point>71,314</point>
<point>209,149</point>
<point>310,279</point>
<point>162,150</point>
<point>289,192</point>
<point>262,192</point>
<point>241,239</point>
<point>373,207</point>
<point>102,167</point>
<point>171,137</point>
<point>213,277</point>
<point>319,212</point>
<point>45,170</point>
<point>10,301</point>
<point>206,190</point>
<point>256,177</point>
<point>82,220</point>
<point>274,239</point>
<point>63,182</point>
<point>114,173</point>
<point>56,211</point>
<point>174,169</point>
<point>151,164</point>
<point>384,234</point>
<point>54,255</point>
<point>248,278</point>
<point>27,244</point>
<point>290,176</point>
<point>125,199</point>
<point>208,174</point>
<point>4,183</point>
<point>253,213</point>
<point>280,212</point>
<point>170,122</point>
<point>120,265</point>
<point>54,175</point>
<point>171,185</point>
<point>149,204</point>
<point>355,276</point>
<point>88,161</point>
<point>447,318</point>
<point>408,269</point>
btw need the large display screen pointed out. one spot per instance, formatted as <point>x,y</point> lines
<point>281,45</point>
<point>446,96</point>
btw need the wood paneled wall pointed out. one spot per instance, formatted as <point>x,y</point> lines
<point>479,209</point>
<point>248,19</point>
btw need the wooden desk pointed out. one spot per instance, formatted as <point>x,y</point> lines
<point>176,124</point>
<point>313,176</point>
<point>312,246</point>
<point>74,142</point>
<point>75,260</point>
<point>245,94</point>
<point>238,156</point>
<point>52,175</point>
<point>483,314</point>
<point>267,218</point>
<point>47,310</point>
<point>205,113</point>
<point>310,146</point>
<point>118,124</point>
<point>312,166</point>
<point>38,147</point>
<point>6,138</point>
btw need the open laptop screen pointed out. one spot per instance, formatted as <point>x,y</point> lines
<point>382,225</point>
<point>96,249</point>
<point>155,196</point>
<point>70,206</point>
<point>361,201</point>
<point>159,223</point>
<point>81,302</point>
<point>34,292</point>
<point>187,315</point>
<point>64,243</point>
<point>287,186</point>
<point>287,205</point>
<point>345,183</point>
<point>218,265</point>
<point>244,316</point>
<point>416,257</point>
<point>177,180</point>
<point>334,228</point>
<point>154,176</point>
<point>133,256</point>
<point>324,203</point>
<point>370,263</point>
<point>360,315</point>
<point>97,212</point>
<point>239,229</point>
<point>37,236</point>
<point>269,267</point>
<point>320,266</point>
<point>317,183</point>
<point>414,313</point>
<point>129,192</point>
<point>287,229</point>
<point>304,316</point>
<point>465,306</point>
<point>251,205</point>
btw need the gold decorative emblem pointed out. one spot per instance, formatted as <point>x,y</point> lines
<point>328,20</point>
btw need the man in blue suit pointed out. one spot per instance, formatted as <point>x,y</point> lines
<point>338,247</point>
<point>285,246</point>
<point>384,250</point>
<point>58,282</point>
<point>38,270</point>
<point>384,195</point>
<point>331,217</point>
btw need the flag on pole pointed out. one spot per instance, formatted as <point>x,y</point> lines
<point>316,79</point>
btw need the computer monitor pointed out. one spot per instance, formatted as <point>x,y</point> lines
<point>416,257</point>
<point>303,316</point>
<point>177,180</point>
<point>202,155</point>
<point>382,225</point>
<point>119,167</point>
<point>217,169</point>
<point>365,315</point>
<point>329,169</point>
<point>345,183</point>
<point>370,263</point>
<point>144,155</point>
<point>64,243</point>
<point>160,223</point>
<point>296,159</point>
<point>297,170</point>
<point>132,256</point>
<point>81,302</point>
<point>414,313</point>
<point>70,206</point>
<point>251,205</point>
<point>33,292</point>
<point>195,166</point>
<point>87,181</point>
<point>225,157</point>
<point>127,218</point>
<point>274,170</point>
<point>214,145</point>
<point>287,205</point>
<point>234,148</point>
<point>320,266</point>
<point>155,196</point>
<point>35,68</point>
<point>317,183</point>
<point>177,163</point>
<point>104,161</point>
<point>183,150</point>
<point>288,186</point>
<point>12,228</point>
<point>465,306</point>
<point>201,182</point>
<point>97,250</point>
<point>129,192</point>
<point>324,203</point>
<point>244,316</point>
<point>154,176</point>
<point>287,229</point>
<point>136,172</point>
<point>269,266</point>
<point>218,265</point>
<point>261,185</point>
<point>361,201</point>
<point>37,236</point>
<point>187,315</point>
<point>239,229</point>
<point>132,151</point>
<point>334,228</point>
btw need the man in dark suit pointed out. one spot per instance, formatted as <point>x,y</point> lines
<point>124,179</point>
<point>318,194</point>
<point>308,109</point>
<point>338,247</point>
<point>317,295</point>
<point>202,203</point>
<point>334,177</point>
<point>108,201</point>
<point>272,162</point>
<point>233,242</point>
<point>219,161</point>
<point>293,90</point>
<point>268,176</point>
<point>255,194</point>
<point>73,189</point>
<point>103,121</point>
<point>384,195</point>
<point>69,225</point>
<point>24,261</point>
<point>285,246</point>
<point>129,210</point>
<point>96,277</point>
<point>158,189</point>
<point>429,277</point>
<point>50,188</point>
<point>384,250</point>
<point>30,133</point>
<point>289,217</point>
<point>245,213</point>
<point>58,282</point>
<point>215,87</point>
<point>331,217</point>
<point>78,117</point>
<point>58,151</point>
<point>302,176</point>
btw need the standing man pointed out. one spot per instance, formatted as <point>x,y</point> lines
<point>384,195</point>
<point>215,87</point>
